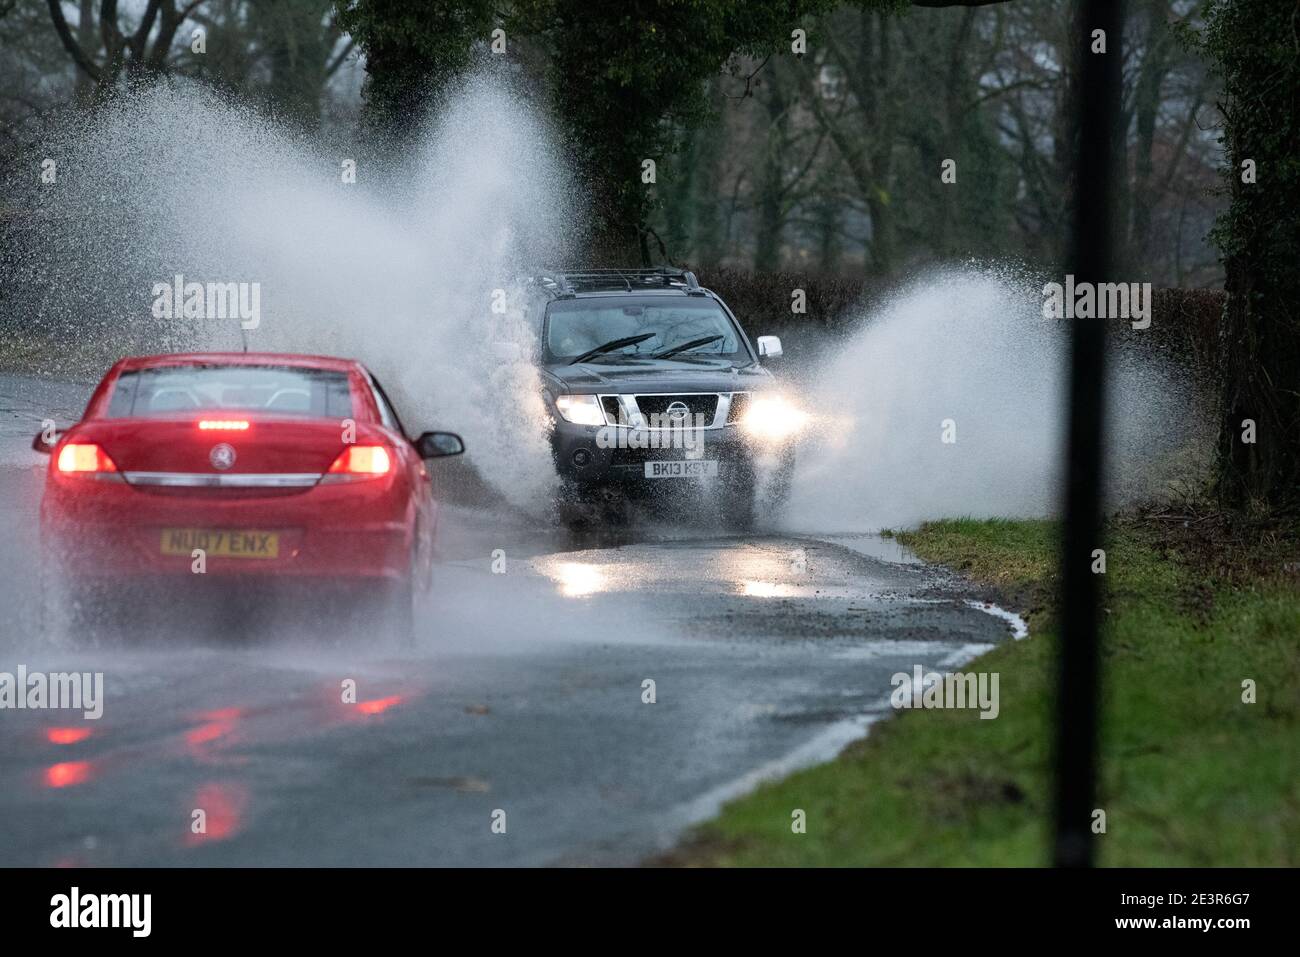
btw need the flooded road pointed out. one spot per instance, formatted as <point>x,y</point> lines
<point>568,700</point>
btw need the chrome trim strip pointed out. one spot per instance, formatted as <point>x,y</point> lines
<point>224,480</point>
<point>723,412</point>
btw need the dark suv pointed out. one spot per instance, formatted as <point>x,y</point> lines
<point>654,386</point>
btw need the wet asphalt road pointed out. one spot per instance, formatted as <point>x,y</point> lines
<point>524,695</point>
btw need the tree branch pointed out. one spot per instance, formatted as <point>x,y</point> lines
<point>171,22</point>
<point>78,55</point>
<point>108,27</point>
<point>146,24</point>
<point>332,68</point>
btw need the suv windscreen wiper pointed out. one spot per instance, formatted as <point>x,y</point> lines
<point>693,344</point>
<point>612,345</point>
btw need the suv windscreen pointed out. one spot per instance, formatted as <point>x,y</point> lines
<point>576,326</point>
<point>277,390</point>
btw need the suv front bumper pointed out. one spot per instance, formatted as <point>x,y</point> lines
<point>589,454</point>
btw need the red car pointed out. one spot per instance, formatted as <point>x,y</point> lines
<point>243,468</point>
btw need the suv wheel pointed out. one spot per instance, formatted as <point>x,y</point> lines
<point>776,491</point>
<point>738,495</point>
<point>582,505</point>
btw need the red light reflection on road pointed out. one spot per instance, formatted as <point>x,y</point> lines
<point>67,735</point>
<point>216,725</point>
<point>222,714</point>
<point>205,733</point>
<point>67,774</point>
<point>223,806</point>
<point>378,705</point>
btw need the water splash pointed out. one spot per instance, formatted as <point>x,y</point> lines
<point>965,354</point>
<point>397,269</point>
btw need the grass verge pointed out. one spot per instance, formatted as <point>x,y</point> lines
<point>1191,774</point>
<point>39,354</point>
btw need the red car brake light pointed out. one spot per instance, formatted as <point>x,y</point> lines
<point>360,462</point>
<point>84,458</point>
<point>223,425</point>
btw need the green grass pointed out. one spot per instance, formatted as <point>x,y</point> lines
<point>19,351</point>
<point>24,352</point>
<point>1190,774</point>
<point>83,353</point>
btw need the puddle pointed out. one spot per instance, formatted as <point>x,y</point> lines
<point>891,648</point>
<point>874,546</point>
<point>1019,629</point>
<point>964,654</point>
<point>774,589</point>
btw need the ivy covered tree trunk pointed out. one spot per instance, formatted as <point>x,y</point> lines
<point>710,158</point>
<point>1253,44</point>
<point>628,79</point>
<point>413,50</point>
<point>772,187</point>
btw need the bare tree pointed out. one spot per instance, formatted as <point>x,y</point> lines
<point>137,52</point>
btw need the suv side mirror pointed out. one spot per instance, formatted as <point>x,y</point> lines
<point>435,445</point>
<point>769,346</point>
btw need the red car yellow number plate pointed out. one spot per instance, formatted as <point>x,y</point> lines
<point>221,543</point>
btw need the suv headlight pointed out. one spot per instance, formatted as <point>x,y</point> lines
<point>580,409</point>
<point>773,418</point>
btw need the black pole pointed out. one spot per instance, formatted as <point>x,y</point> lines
<point>1096,105</point>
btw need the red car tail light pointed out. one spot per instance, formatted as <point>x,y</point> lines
<point>358,462</point>
<point>223,425</point>
<point>86,459</point>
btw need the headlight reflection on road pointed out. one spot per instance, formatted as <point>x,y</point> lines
<point>757,589</point>
<point>578,579</point>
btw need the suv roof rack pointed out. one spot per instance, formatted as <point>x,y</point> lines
<point>591,280</point>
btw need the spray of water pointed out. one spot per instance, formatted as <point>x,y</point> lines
<point>398,269</point>
<point>948,400</point>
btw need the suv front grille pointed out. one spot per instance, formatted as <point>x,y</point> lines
<point>703,408</point>
<point>697,403</point>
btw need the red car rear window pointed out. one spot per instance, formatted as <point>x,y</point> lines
<point>275,390</point>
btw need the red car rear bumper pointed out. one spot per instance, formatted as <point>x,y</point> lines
<point>108,530</point>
